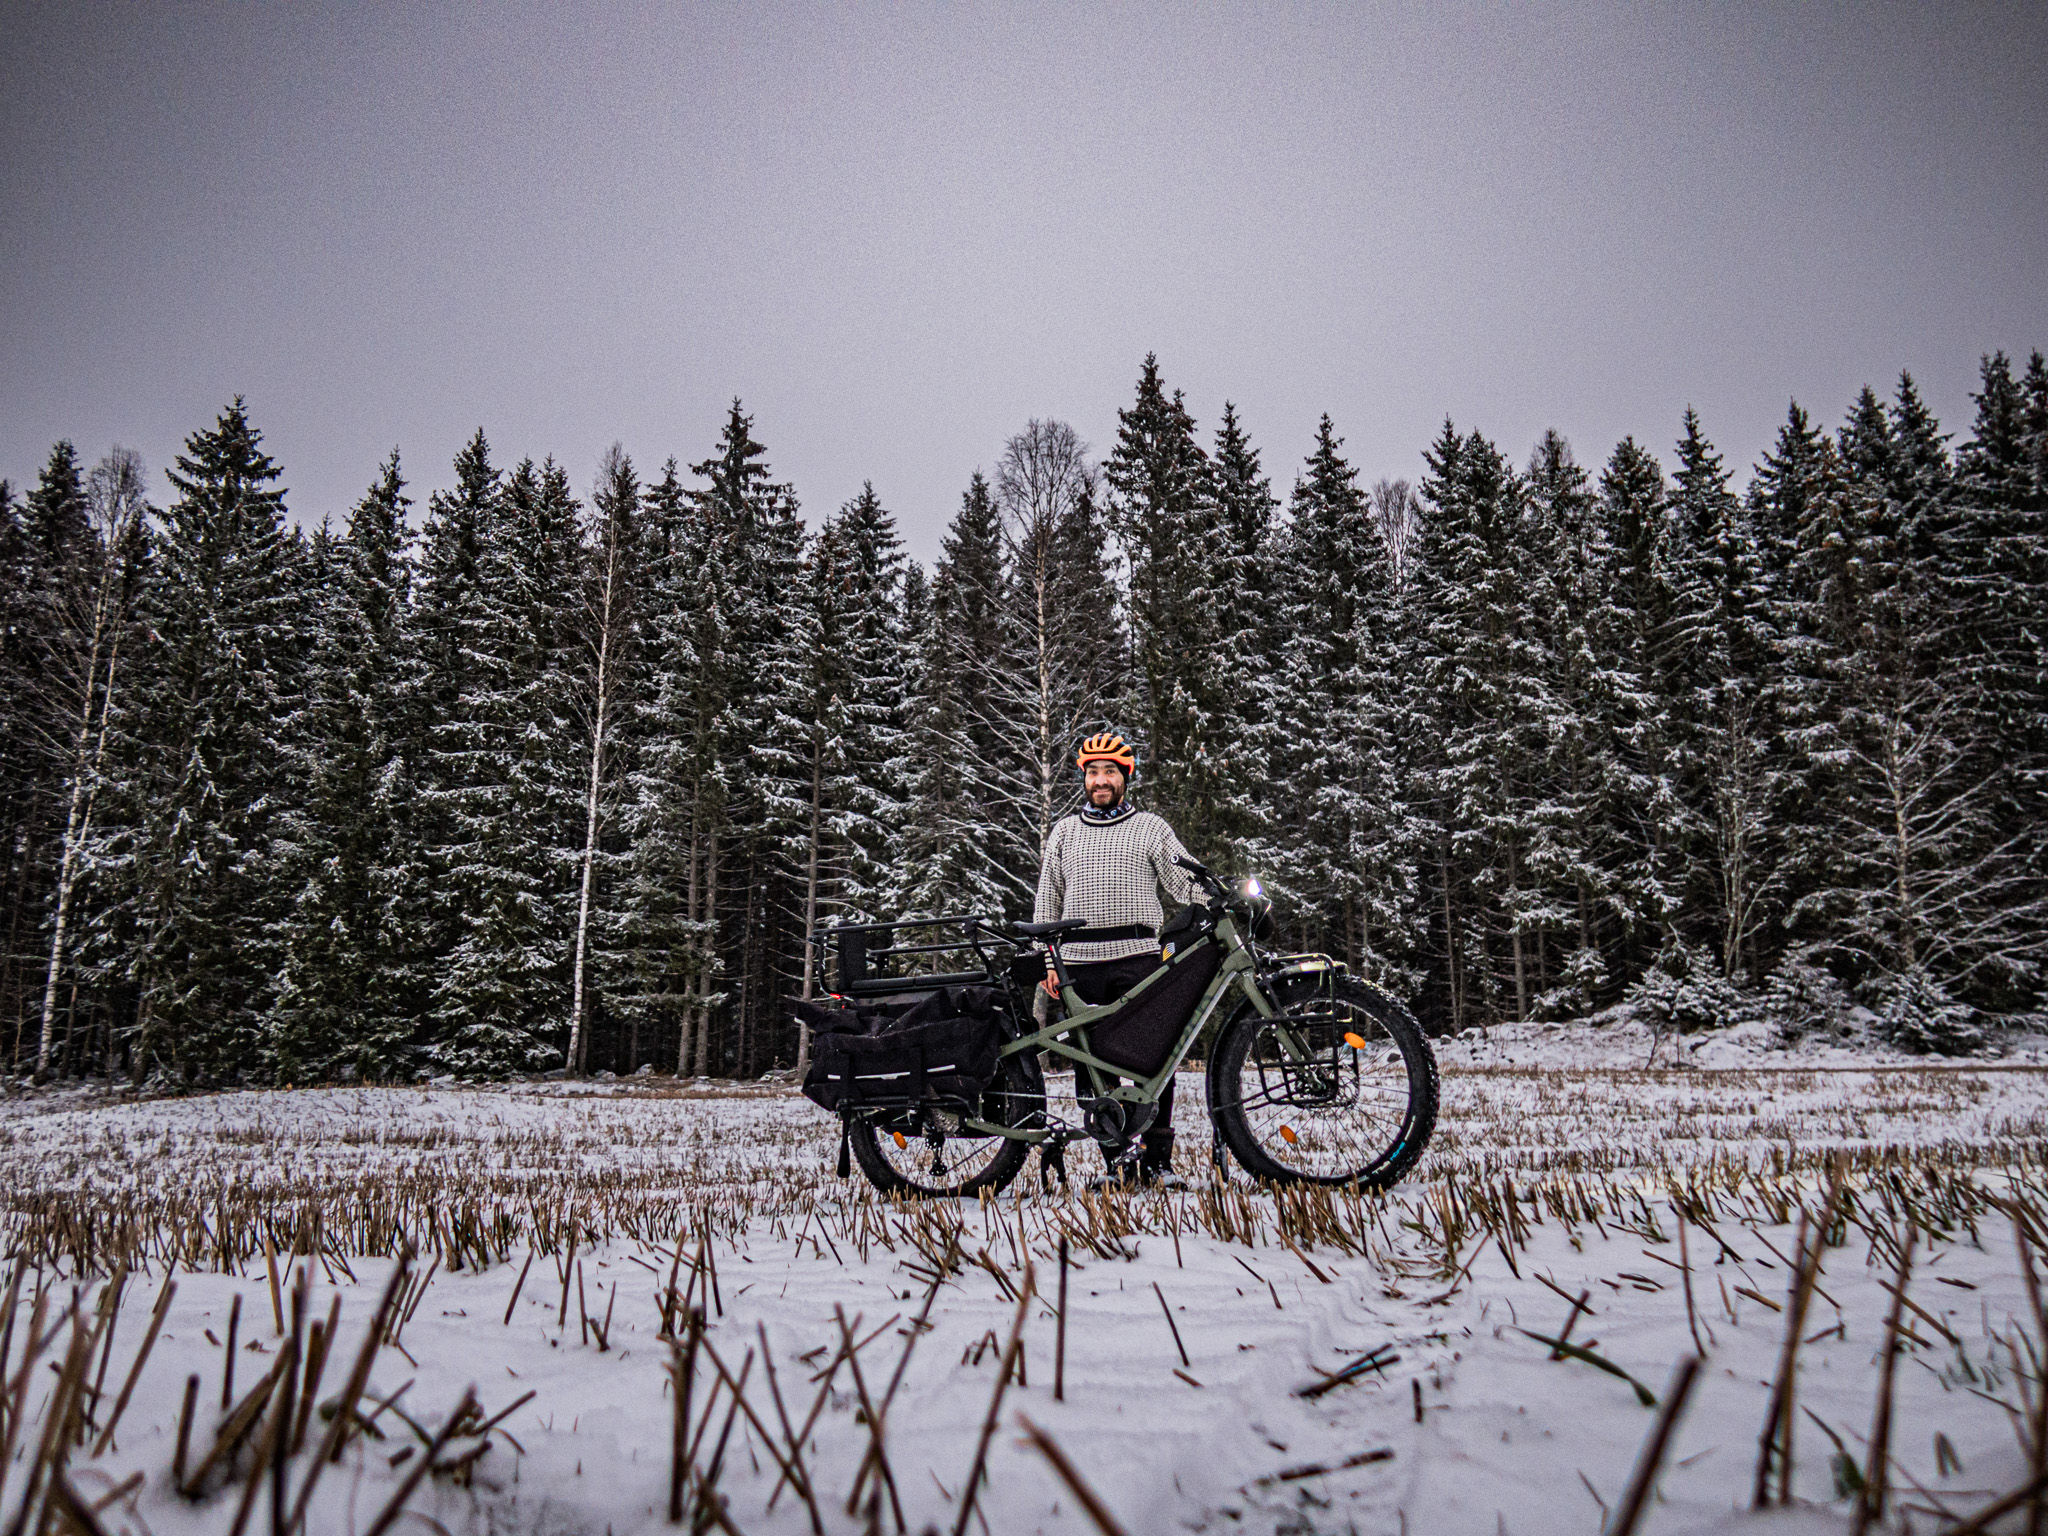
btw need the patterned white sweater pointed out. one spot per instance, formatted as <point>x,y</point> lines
<point>1110,874</point>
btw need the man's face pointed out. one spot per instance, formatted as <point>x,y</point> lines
<point>1103,783</point>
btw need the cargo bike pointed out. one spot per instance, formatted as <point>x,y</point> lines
<point>1313,1075</point>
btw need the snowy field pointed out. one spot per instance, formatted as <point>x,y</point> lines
<point>1555,1172</point>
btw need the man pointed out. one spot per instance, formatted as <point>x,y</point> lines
<point>1106,864</point>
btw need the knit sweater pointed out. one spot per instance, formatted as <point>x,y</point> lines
<point>1110,873</point>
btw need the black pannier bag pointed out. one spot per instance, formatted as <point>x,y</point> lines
<point>939,1049</point>
<point>1139,1038</point>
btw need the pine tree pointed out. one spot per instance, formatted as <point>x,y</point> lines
<point>1796,503</point>
<point>1484,670</point>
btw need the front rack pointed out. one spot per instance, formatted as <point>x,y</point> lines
<point>857,954</point>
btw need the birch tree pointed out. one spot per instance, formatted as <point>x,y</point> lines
<point>610,622</point>
<point>85,678</point>
<point>1067,660</point>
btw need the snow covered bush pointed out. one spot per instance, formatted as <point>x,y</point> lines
<point>1918,1015</point>
<point>1684,992</point>
<point>1801,999</point>
<point>1583,980</point>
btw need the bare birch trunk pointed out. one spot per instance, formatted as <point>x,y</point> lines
<point>576,1041</point>
<point>118,505</point>
<point>1042,596</point>
<point>609,605</point>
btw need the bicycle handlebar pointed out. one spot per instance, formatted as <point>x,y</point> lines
<point>1205,876</point>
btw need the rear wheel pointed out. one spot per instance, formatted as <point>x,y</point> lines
<point>1340,1088</point>
<point>928,1154</point>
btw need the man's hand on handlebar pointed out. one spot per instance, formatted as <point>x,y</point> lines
<point>1204,878</point>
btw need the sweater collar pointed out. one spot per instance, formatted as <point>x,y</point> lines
<point>1116,812</point>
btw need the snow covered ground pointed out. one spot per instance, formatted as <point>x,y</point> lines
<point>1551,1175</point>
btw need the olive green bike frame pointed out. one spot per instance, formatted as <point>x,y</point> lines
<point>1235,972</point>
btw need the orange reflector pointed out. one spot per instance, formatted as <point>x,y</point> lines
<point>1287,1135</point>
<point>899,1138</point>
<point>1356,1042</point>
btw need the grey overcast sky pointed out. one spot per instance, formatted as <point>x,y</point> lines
<point>899,232</point>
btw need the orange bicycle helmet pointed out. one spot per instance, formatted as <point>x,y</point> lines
<point>1107,748</point>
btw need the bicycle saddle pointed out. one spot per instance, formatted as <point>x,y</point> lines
<point>1044,930</point>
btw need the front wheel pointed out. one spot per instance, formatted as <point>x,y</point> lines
<point>929,1155</point>
<point>1339,1088</point>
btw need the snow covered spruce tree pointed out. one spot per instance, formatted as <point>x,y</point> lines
<point>47,550</point>
<point>959,850</point>
<point>681,779</point>
<point>1914,896</point>
<point>508,789</point>
<point>752,523</point>
<point>1484,674</point>
<point>1721,639</point>
<point>1162,509</point>
<point>204,763</point>
<point>1341,842</point>
<point>348,993</point>
<point>868,809</point>
<point>445,600</point>
<point>1244,566</point>
<point>1644,808</point>
<point>1578,855</point>
<point>838,700</point>
<point>1994,557</point>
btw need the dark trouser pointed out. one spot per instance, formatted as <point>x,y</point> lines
<point>1101,982</point>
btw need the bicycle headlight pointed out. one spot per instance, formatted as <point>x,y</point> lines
<point>1257,907</point>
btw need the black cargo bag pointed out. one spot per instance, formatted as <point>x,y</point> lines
<point>939,1049</point>
<point>1139,1038</point>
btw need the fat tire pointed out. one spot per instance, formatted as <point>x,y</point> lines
<point>1405,1142</point>
<point>1019,1078</point>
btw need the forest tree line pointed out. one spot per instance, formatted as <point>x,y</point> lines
<point>536,780</point>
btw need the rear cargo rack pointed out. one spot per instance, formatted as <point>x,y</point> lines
<point>856,954</point>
